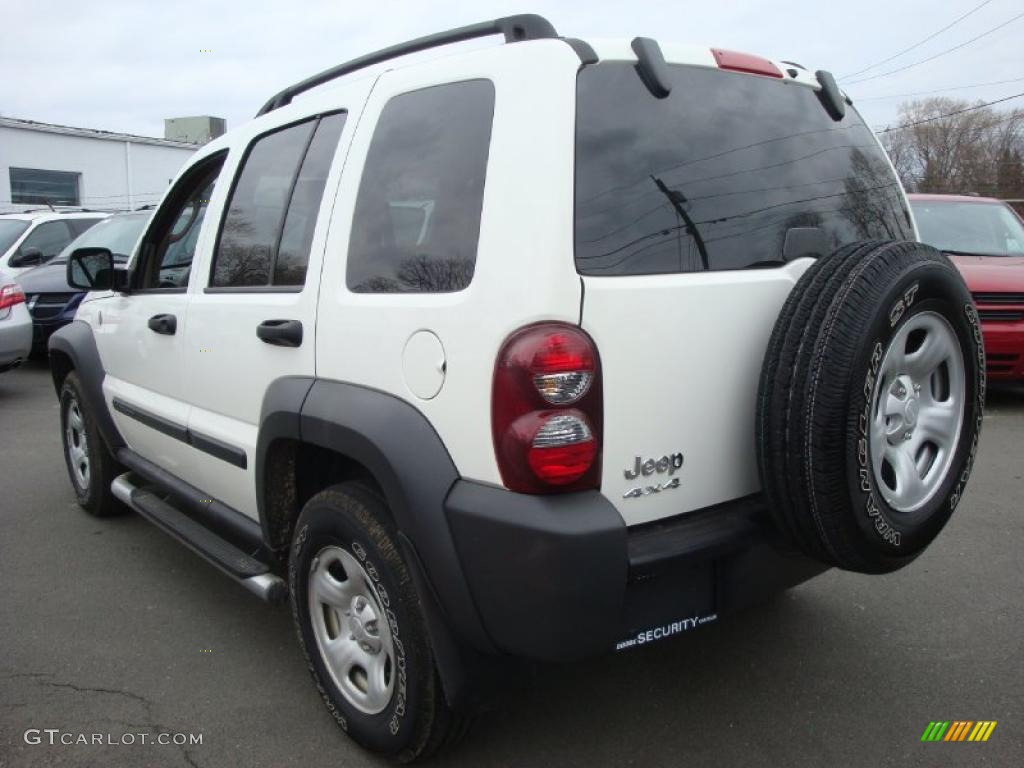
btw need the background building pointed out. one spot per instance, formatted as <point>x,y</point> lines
<point>58,165</point>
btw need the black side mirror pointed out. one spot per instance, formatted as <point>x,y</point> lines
<point>27,257</point>
<point>91,269</point>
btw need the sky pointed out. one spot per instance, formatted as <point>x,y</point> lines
<point>126,65</point>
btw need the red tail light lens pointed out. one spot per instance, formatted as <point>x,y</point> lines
<point>11,295</point>
<point>546,410</point>
<point>744,62</point>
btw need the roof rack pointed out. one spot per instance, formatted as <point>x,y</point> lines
<point>526,26</point>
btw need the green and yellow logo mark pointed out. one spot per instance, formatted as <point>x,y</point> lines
<point>959,730</point>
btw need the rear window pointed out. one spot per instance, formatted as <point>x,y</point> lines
<point>720,173</point>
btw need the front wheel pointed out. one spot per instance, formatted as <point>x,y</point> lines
<point>361,627</point>
<point>91,466</point>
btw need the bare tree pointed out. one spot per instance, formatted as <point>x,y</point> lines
<point>974,152</point>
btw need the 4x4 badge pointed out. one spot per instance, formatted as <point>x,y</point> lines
<point>633,493</point>
<point>668,463</point>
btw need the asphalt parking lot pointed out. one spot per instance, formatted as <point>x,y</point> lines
<point>111,627</point>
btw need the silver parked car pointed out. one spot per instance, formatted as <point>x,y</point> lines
<point>15,327</point>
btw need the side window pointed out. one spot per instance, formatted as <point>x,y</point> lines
<point>417,216</point>
<point>170,244</point>
<point>271,215</point>
<point>49,239</point>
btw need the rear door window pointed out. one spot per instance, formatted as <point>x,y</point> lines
<point>271,215</point>
<point>720,174</point>
<point>417,216</point>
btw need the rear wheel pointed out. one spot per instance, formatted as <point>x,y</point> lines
<point>871,405</point>
<point>361,626</point>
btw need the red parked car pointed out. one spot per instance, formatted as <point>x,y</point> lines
<point>985,239</point>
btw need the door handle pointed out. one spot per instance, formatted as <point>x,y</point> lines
<point>280,333</point>
<point>165,324</point>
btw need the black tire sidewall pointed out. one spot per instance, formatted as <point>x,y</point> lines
<point>321,524</point>
<point>925,286</point>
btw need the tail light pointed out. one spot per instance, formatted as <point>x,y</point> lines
<point>11,295</point>
<point>546,412</point>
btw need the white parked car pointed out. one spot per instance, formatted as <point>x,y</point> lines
<point>536,352</point>
<point>31,238</point>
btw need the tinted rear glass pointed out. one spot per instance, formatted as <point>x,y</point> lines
<point>417,218</point>
<point>716,175</point>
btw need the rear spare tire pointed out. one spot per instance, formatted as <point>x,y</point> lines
<point>870,404</point>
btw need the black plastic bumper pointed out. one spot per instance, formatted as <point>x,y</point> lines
<point>561,577</point>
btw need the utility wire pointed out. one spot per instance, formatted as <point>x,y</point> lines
<point>951,114</point>
<point>940,53</point>
<point>940,90</point>
<point>919,43</point>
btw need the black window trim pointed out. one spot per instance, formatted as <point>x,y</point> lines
<point>214,157</point>
<point>270,288</point>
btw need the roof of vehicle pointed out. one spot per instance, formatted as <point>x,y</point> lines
<point>536,30</point>
<point>952,198</point>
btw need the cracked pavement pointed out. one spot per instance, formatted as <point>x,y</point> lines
<point>109,626</point>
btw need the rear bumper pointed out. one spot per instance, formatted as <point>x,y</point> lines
<point>1004,350</point>
<point>561,577</point>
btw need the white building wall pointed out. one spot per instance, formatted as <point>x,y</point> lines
<point>116,174</point>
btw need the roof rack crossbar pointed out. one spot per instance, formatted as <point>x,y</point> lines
<point>526,26</point>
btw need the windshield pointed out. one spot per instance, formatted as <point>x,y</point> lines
<point>729,171</point>
<point>985,229</point>
<point>118,234</point>
<point>10,230</point>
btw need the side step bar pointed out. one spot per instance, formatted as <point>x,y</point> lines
<point>246,570</point>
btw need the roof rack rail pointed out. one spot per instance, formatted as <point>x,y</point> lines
<point>525,26</point>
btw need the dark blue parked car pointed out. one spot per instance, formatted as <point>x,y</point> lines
<point>51,301</point>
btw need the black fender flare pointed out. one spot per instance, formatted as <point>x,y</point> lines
<point>397,444</point>
<point>77,342</point>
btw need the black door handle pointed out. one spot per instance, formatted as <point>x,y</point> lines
<point>165,324</point>
<point>280,333</point>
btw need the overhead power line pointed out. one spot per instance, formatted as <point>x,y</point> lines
<point>939,54</point>
<point>940,90</point>
<point>950,114</point>
<point>918,44</point>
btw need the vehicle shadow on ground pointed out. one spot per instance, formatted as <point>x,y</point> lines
<point>1001,395</point>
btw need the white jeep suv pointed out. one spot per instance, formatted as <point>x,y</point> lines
<point>531,352</point>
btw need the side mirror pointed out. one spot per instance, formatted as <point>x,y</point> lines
<point>91,269</point>
<point>28,257</point>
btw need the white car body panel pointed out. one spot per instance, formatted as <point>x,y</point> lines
<point>681,357</point>
<point>526,222</point>
<point>228,367</point>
